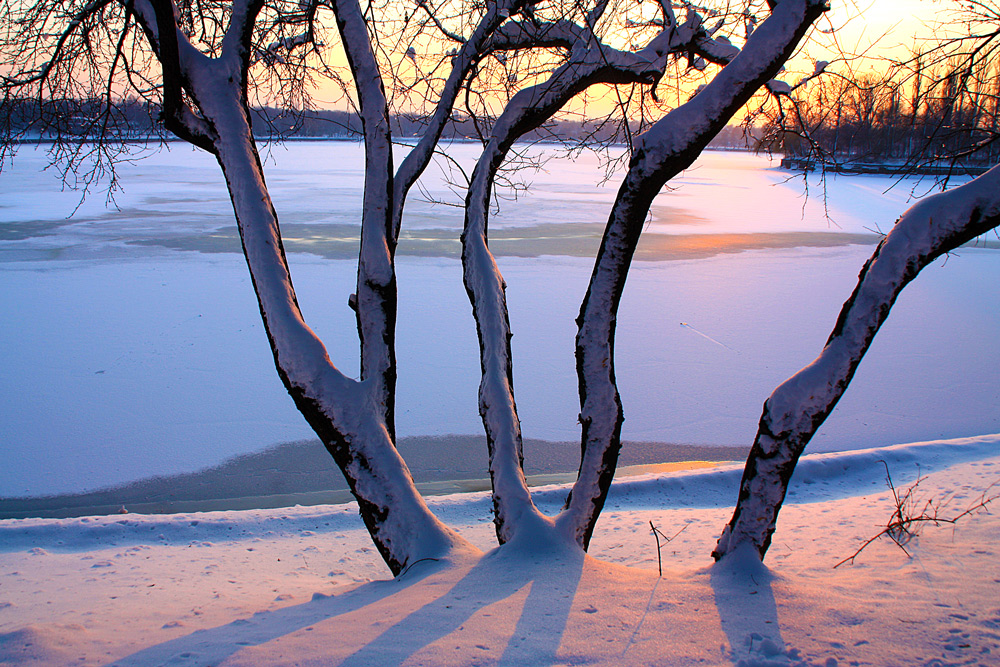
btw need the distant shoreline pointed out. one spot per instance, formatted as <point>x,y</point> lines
<point>303,473</point>
<point>352,138</point>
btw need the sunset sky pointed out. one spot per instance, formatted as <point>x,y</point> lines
<point>873,28</point>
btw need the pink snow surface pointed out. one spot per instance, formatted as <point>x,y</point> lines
<point>304,585</point>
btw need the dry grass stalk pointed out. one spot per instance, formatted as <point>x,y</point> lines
<point>911,514</point>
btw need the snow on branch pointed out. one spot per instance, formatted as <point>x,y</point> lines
<point>667,7</point>
<point>590,62</point>
<point>238,36</point>
<point>514,35</point>
<point>179,61</point>
<point>275,51</point>
<point>718,50</point>
<point>668,147</point>
<point>778,87</point>
<point>799,406</point>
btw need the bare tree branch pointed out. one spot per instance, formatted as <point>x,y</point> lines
<point>665,150</point>
<point>798,407</point>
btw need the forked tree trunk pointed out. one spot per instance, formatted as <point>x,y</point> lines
<point>666,149</point>
<point>590,62</point>
<point>352,418</point>
<point>798,407</point>
<point>346,414</point>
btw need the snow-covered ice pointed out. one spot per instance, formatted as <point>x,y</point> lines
<point>140,350</point>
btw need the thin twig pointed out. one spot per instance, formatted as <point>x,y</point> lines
<point>906,520</point>
<point>657,533</point>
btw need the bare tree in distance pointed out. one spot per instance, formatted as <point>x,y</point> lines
<point>934,111</point>
<point>954,76</point>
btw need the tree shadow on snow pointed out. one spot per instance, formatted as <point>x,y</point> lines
<point>748,613</point>
<point>211,646</point>
<point>551,580</point>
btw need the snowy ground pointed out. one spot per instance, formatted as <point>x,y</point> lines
<point>304,586</point>
<point>140,350</point>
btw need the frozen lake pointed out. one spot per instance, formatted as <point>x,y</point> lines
<point>133,345</point>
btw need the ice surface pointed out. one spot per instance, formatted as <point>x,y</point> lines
<point>313,182</point>
<point>134,360</point>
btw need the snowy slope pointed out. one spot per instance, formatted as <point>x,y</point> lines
<point>304,586</point>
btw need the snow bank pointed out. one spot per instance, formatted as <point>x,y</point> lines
<point>304,586</point>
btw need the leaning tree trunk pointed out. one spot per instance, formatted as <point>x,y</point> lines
<point>666,149</point>
<point>590,62</point>
<point>352,418</point>
<point>802,403</point>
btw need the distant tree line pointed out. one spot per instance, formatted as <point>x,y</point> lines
<point>137,120</point>
<point>133,119</point>
<point>916,114</point>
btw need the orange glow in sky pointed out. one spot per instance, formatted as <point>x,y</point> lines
<point>875,29</point>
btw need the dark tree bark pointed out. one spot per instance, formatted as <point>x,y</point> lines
<point>802,403</point>
<point>666,149</point>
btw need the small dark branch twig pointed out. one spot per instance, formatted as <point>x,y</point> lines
<point>907,520</point>
<point>657,533</point>
<point>437,22</point>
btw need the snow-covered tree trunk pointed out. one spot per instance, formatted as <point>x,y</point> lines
<point>798,407</point>
<point>590,62</point>
<point>346,414</point>
<point>352,418</point>
<point>375,303</point>
<point>666,149</point>
<point>512,503</point>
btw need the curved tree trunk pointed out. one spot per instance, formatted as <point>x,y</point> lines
<point>666,149</point>
<point>344,413</point>
<point>352,418</point>
<point>512,505</point>
<point>802,403</point>
<point>590,63</point>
